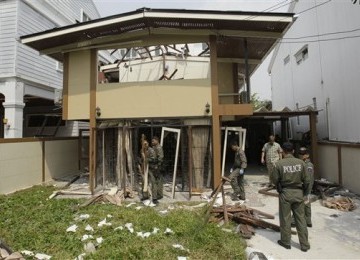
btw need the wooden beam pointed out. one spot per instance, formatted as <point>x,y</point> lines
<point>216,130</point>
<point>314,144</point>
<point>92,141</point>
<point>235,109</point>
<point>65,97</point>
<point>339,164</point>
<point>43,161</point>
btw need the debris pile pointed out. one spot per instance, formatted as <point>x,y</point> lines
<point>334,196</point>
<point>247,218</point>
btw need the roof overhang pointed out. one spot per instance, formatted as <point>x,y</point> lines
<point>261,30</point>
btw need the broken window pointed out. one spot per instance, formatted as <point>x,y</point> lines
<point>302,54</point>
<point>153,63</point>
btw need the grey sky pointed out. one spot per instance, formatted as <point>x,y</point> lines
<point>260,81</point>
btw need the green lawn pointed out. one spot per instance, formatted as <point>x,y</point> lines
<point>29,221</point>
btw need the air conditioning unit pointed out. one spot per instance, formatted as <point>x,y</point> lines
<point>58,96</point>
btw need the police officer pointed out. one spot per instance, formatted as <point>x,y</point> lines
<point>304,155</point>
<point>292,183</point>
<point>157,182</point>
<point>237,172</point>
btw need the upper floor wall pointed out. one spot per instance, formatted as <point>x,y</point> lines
<point>320,58</point>
<point>22,17</point>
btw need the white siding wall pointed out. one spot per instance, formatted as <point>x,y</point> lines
<point>331,71</point>
<point>7,37</point>
<point>29,64</point>
<point>72,9</point>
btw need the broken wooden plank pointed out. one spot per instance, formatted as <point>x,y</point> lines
<point>266,191</point>
<point>242,218</point>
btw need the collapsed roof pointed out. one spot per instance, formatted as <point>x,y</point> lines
<point>261,31</point>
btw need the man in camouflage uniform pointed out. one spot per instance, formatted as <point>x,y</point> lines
<point>292,182</point>
<point>157,178</point>
<point>271,153</point>
<point>237,172</point>
<point>304,155</point>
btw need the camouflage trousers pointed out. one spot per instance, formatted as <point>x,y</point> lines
<point>237,182</point>
<point>156,180</point>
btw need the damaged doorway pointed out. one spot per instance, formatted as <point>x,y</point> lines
<point>232,134</point>
<point>168,136</point>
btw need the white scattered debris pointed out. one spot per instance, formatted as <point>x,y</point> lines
<point>171,207</point>
<point>181,258</point>
<point>204,197</point>
<point>138,207</point>
<point>227,230</point>
<point>119,228</point>
<point>86,237</point>
<point>99,240</point>
<point>89,228</point>
<point>168,231</point>
<point>178,246</point>
<point>203,204</point>
<point>41,256</point>
<point>143,235</point>
<point>113,191</point>
<point>80,257</point>
<point>130,204</point>
<point>82,217</point>
<point>165,211</point>
<point>149,203</point>
<point>129,226</point>
<point>89,247</point>
<point>72,228</point>
<point>27,252</point>
<point>156,230</point>
<point>104,223</point>
<point>253,254</point>
<point>109,216</point>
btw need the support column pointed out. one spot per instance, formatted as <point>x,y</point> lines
<point>216,130</point>
<point>247,72</point>
<point>14,107</point>
<point>92,139</point>
<point>314,144</point>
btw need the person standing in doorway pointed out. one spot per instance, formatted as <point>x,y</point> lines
<point>293,185</point>
<point>157,166</point>
<point>237,172</point>
<point>271,153</point>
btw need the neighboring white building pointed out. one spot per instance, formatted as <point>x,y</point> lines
<point>28,80</point>
<point>317,63</point>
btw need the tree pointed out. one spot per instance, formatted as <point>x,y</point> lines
<point>257,103</point>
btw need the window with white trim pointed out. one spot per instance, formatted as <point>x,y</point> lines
<point>84,16</point>
<point>302,55</point>
<point>286,59</point>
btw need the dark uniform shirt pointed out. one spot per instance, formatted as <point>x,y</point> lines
<point>290,173</point>
<point>240,160</point>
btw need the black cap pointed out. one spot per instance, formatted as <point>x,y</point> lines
<point>303,150</point>
<point>288,147</point>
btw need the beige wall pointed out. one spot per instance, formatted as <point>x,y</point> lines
<point>172,98</point>
<point>21,162</point>
<point>350,158</point>
<point>20,166</point>
<point>79,85</point>
<point>329,166</point>
<point>226,82</point>
<point>328,162</point>
<point>61,158</point>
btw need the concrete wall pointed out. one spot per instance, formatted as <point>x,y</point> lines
<point>340,163</point>
<point>24,162</point>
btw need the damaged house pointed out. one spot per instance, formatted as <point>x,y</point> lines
<point>181,75</point>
